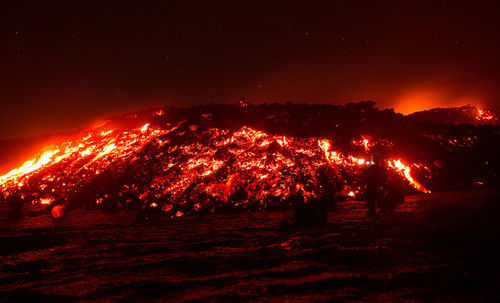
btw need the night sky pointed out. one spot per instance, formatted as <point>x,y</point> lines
<point>64,64</point>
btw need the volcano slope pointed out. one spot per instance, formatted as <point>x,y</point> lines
<point>241,157</point>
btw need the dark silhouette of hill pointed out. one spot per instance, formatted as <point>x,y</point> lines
<point>458,115</point>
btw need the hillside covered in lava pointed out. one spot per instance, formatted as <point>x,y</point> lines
<point>458,115</point>
<point>217,157</point>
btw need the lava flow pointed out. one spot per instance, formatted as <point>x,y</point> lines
<point>186,167</point>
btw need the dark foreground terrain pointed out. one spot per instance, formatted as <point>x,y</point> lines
<point>437,247</point>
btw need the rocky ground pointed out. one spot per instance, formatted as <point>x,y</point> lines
<point>435,247</point>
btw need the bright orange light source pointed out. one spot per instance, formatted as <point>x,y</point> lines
<point>46,201</point>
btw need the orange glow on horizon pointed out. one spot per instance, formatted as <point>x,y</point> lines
<point>416,100</point>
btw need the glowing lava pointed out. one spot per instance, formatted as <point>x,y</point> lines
<point>483,115</point>
<point>183,165</point>
<point>405,171</point>
<point>335,158</point>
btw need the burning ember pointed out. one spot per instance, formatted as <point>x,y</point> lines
<point>187,165</point>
